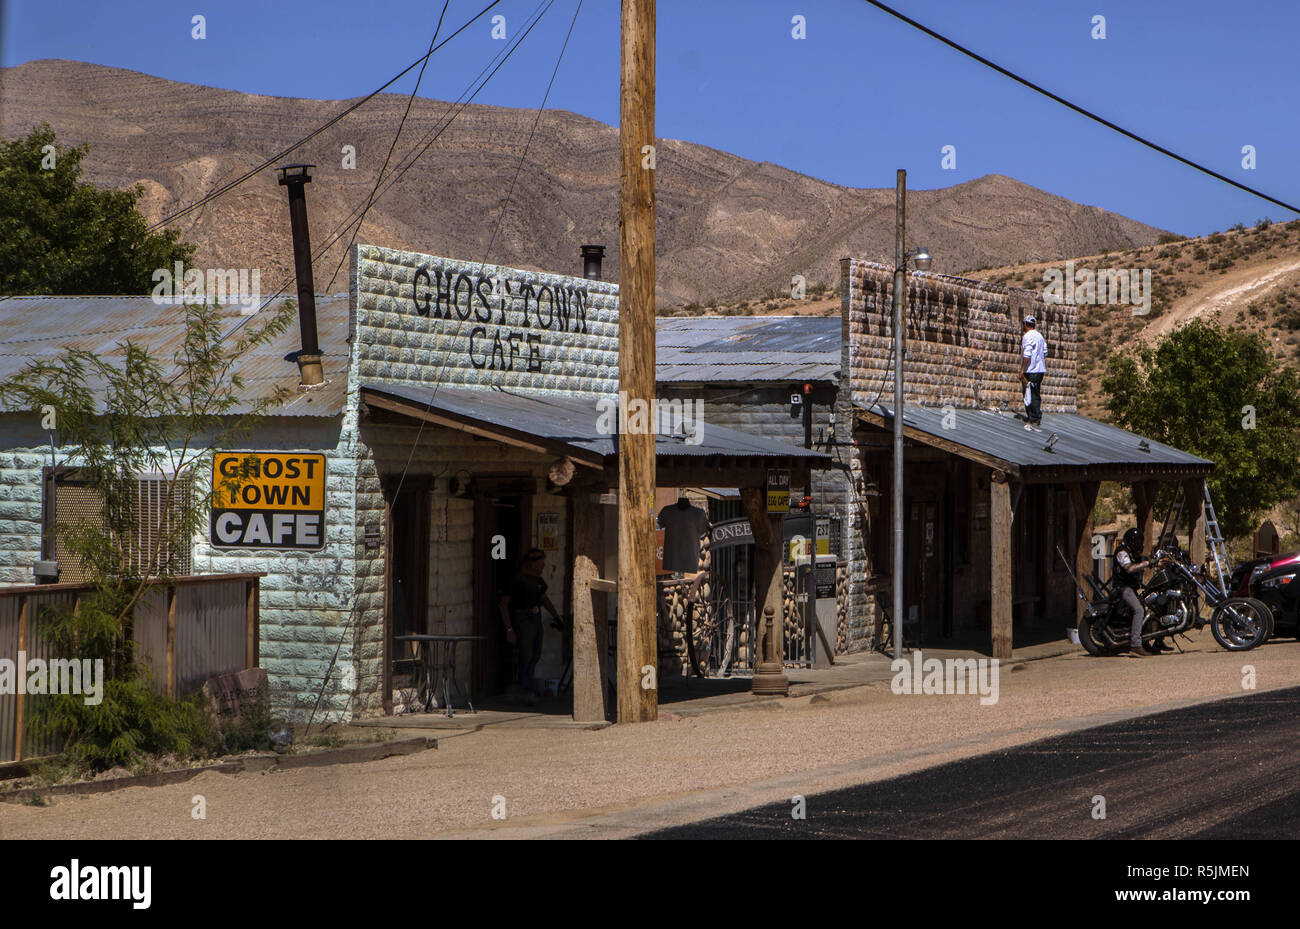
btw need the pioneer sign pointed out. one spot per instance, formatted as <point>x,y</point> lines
<point>268,500</point>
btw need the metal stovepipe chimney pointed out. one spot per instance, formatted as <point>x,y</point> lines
<point>295,177</point>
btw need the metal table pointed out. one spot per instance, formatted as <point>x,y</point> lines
<point>442,647</point>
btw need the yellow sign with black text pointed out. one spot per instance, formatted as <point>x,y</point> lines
<point>778,491</point>
<point>268,500</point>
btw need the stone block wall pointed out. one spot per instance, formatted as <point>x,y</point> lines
<point>420,320</point>
<point>26,452</point>
<point>963,340</point>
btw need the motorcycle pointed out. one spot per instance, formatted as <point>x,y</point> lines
<point>1275,581</point>
<point>1171,601</point>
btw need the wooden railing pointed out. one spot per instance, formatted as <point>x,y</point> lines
<point>186,630</point>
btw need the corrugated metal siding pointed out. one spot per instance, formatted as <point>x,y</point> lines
<point>1080,441</point>
<point>33,328</point>
<point>748,349</point>
<point>8,702</point>
<point>209,632</point>
<point>211,638</point>
<point>150,634</point>
<point>39,646</point>
<point>574,421</point>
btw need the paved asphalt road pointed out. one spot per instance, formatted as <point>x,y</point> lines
<point>1229,769</point>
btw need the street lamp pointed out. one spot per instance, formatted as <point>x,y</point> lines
<point>922,258</point>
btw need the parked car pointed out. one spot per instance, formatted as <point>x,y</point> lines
<point>1276,581</point>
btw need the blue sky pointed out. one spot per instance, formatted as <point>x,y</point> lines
<point>862,95</point>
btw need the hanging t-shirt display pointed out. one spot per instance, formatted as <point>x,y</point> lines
<point>683,525</point>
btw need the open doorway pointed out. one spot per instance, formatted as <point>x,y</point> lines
<point>500,528</point>
<point>406,604</point>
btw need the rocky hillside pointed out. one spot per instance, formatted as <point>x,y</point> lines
<point>728,228</point>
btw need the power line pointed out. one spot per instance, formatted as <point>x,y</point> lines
<point>426,142</point>
<point>437,380</point>
<point>387,158</point>
<point>341,229</point>
<point>274,158</point>
<point>415,443</point>
<point>1080,110</point>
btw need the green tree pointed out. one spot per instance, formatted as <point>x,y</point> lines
<point>117,416</point>
<point>62,235</point>
<point>1220,394</point>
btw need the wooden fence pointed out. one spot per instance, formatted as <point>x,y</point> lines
<point>185,630</point>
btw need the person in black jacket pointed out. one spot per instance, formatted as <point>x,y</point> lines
<point>1126,568</point>
<point>521,612</point>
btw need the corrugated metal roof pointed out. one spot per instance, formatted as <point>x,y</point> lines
<point>573,421</point>
<point>745,349</point>
<point>1080,441</point>
<point>41,327</point>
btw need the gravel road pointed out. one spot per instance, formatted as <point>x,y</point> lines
<point>556,776</point>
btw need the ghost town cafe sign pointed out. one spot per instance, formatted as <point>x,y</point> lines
<point>512,316</point>
<point>268,500</point>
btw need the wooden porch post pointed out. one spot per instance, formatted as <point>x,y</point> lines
<point>1194,501</point>
<point>1083,497</point>
<point>590,630</point>
<point>1144,504</point>
<point>1001,515</point>
<point>20,699</point>
<point>769,535</point>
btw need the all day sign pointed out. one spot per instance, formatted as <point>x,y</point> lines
<point>268,500</point>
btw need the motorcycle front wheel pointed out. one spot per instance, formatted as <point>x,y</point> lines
<point>1241,623</point>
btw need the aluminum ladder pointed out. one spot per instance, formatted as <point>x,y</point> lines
<point>1213,534</point>
<point>1214,539</point>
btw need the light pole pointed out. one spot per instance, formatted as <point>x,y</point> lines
<point>922,258</point>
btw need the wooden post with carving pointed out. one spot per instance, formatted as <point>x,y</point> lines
<point>1194,501</point>
<point>590,631</point>
<point>1144,504</point>
<point>769,535</point>
<point>1083,497</point>
<point>1002,514</point>
<point>638,694</point>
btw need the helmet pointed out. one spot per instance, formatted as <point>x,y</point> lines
<point>1133,540</point>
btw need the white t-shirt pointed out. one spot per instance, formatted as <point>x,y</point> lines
<point>1034,347</point>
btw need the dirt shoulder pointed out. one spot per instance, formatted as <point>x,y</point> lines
<point>546,776</point>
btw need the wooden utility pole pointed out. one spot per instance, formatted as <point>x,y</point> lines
<point>638,693</point>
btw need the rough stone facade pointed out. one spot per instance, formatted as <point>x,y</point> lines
<point>420,320</point>
<point>963,341</point>
<point>416,321</point>
<point>322,613</point>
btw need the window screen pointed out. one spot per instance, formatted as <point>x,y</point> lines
<point>156,519</point>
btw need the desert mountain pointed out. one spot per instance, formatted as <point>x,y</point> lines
<point>1249,277</point>
<point>727,227</point>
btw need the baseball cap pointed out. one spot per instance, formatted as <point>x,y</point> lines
<point>1031,320</point>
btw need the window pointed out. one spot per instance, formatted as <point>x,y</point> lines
<point>157,522</point>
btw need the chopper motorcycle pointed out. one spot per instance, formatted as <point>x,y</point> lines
<point>1172,603</point>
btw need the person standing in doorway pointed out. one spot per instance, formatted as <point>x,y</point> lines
<point>521,612</point>
<point>1033,365</point>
